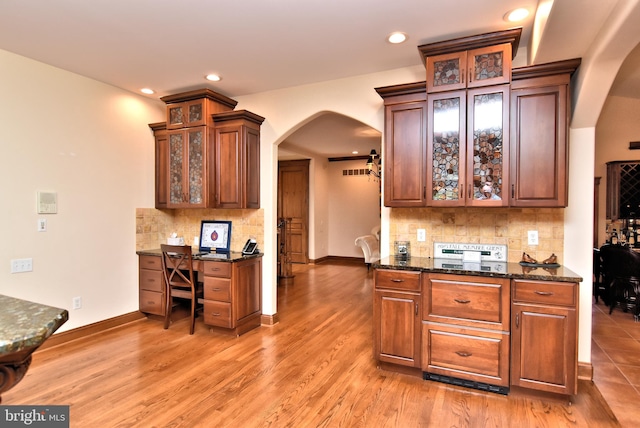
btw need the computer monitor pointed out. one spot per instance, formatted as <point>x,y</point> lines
<point>215,236</point>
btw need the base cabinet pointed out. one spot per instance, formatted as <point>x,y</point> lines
<point>397,313</point>
<point>151,285</point>
<point>544,336</point>
<point>489,333</point>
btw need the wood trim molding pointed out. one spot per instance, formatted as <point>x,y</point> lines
<point>200,93</point>
<point>568,66</point>
<point>87,330</point>
<point>585,371</point>
<point>511,36</point>
<point>269,320</point>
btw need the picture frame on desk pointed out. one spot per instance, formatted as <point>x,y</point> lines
<point>215,236</point>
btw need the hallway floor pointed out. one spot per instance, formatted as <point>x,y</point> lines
<point>615,355</point>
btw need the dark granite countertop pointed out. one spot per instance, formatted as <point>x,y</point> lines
<point>26,325</point>
<point>493,269</point>
<point>233,256</point>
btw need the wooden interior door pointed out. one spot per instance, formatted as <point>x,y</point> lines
<point>293,203</point>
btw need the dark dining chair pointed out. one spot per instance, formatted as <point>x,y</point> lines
<point>180,280</point>
<point>621,277</point>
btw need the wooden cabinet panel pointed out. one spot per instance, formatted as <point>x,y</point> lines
<point>467,300</point>
<point>405,154</point>
<point>228,172</point>
<point>544,336</point>
<point>544,349</point>
<point>397,317</point>
<point>151,280</point>
<point>539,133</point>
<point>466,353</point>
<point>186,180</point>
<point>398,328</point>
<point>151,302</point>
<point>248,298</point>
<point>219,269</point>
<point>398,280</point>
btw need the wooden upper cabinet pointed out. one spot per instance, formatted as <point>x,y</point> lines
<point>405,159</point>
<point>467,146</point>
<point>540,108</point>
<point>195,108</point>
<point>470,62</point>
<point>207,154</point>
<point>490,65</point>
<point>236,160</point>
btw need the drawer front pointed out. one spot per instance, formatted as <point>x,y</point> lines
<point>217,314</point>
<point>217,288</point>
<point>219,269</point>
<point>151,280</point>
<point>151,302</point>
<point>397,280</point>
<point>150,262</point>
<point>464,353</point>
<point>448,300</point>
<point>545,292</point>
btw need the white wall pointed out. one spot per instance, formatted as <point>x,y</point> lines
<point>88,142</point>
<point>354,207</point>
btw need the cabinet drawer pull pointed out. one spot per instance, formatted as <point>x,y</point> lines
<point>216,289</point>
<point>397,280</point>
<point>544,293</point>
<point>462,75</point>
<point>464,354</point>
<point>464,302</point>
<point>215,314</point>
<point>513,190</point>
<point>517,320</point>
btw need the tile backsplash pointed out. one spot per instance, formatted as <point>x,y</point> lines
<point>506,226</point>
<point>154,226</point>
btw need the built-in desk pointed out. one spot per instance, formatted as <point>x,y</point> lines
<point>24,326</point>
<point>232,288</point>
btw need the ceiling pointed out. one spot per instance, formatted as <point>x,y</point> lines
<point>262,45</point>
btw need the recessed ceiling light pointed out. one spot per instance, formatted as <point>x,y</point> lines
<point>396,37</point>
<point>516,15</point>
<point>213,77</point>
<point>147,91</point>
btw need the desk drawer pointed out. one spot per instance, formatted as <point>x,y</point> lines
<point>151,302</point>
<point>397,280</point>
<point>150,262</point>
<point>545,292</point>
<point>217,289</point>
<point>217,314</point>
<point>219,269</point>
<point>151,280</point>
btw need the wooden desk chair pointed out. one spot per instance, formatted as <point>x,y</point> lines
<point>180,280</point>
<point>621,277</point>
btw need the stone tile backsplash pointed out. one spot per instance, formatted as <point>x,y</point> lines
<point>505,226</point>
<point>154,226</point>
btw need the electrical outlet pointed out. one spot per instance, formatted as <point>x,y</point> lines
<point>42,225</point>
<point>77,302</point>
<point>532,236</point>
<point>422,236</point>
<point>21,265</point>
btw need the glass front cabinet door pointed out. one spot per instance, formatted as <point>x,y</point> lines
<point>187,154</point>
<point>188,113</point>
<point>468,147</point>
<point>469,69</point>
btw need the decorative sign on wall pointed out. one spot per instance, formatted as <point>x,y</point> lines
<point>470,252</point>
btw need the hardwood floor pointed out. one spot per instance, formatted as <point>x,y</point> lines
<point>313,369</point>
